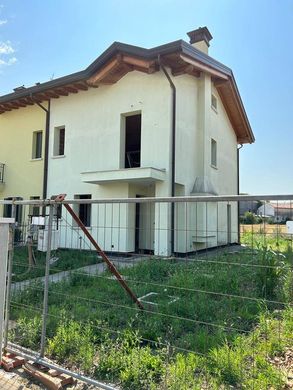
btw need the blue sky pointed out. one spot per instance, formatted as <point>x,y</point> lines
<point>41,40</point>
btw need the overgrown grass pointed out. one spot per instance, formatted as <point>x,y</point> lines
<point>217,322</point>
<point>68,259</point>
<point>277,242</point>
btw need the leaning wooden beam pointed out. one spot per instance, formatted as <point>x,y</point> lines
<point>106,259</point>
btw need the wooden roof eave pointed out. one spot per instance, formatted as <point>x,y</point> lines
<point>39,97</point>
<point>118,67</point>
<point>234,108</point>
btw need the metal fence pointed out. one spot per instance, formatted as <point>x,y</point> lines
<point>153,293</point>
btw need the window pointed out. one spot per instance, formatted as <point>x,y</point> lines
<point>59,141</point>
<point>132,139</point>
<point>84,210</point>
<point>37,144</point>
<point>214,102</point>
<point>34,211</point>
<point>213,153</point>
<point>7,211</point>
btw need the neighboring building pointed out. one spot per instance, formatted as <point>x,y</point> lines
<point>115,138</point>
<point>248,206</point>
<point>279,212</point>
<point>21,154</point>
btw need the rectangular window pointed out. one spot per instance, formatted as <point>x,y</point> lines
<point>84,210</point>
<point>59,141</point>
<point>34,211</point>
<point>37,144</point>
<point>7,210</point>
<point>214,102</point>
<point>132,139</point>
<point>213,153</point>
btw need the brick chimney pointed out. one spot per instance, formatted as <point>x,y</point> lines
<point>200,39</point>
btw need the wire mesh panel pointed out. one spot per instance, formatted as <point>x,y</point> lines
<point>190,298</point>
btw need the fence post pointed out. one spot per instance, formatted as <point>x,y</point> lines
<point>46,282</point>
<point>4,245</point>
<point>9,277</point>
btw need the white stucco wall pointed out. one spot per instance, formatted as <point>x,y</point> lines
<point>92,120</point>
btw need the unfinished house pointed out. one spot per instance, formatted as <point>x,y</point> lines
<point>159,122</point>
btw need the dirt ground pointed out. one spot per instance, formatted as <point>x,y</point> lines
<point>264,228</point>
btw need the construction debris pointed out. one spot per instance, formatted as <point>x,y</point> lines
<point>51,379</point>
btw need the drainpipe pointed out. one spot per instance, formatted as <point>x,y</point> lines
<point>47,132</point>
<point>173,148</point>
<point>238,192</point>
<point>46,157</point>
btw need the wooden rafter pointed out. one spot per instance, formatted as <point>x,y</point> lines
<point>105,71</point>
<point>81,86</point>
<point>70,89</point>
<point>61,92</point>
<point>52,94</point>
<point>203,68</point>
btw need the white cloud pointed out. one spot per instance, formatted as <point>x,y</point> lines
<point>6,48</point>
<point>10,61</point>
<point>3,22</point>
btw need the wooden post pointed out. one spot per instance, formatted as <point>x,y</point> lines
<point>4,246</point>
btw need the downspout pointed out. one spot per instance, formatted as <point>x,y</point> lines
<point>46,159</point>
<point>238,192</point>
<point>173,148</point>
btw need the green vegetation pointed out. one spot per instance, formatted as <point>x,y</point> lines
<point>68,259</point>
<point>217,323</point>
<point>275,241</point>
<point>250,219</point>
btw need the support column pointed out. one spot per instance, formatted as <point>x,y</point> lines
<point>4,246</point>
<point>162,245</point>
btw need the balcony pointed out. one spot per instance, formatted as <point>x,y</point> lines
<point>134,175</point>
<point>2,183</point>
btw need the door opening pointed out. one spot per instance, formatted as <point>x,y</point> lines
<point>132,141</point>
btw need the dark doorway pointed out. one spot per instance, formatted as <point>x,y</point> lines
<point>132,141</point>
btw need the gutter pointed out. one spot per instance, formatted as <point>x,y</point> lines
<point>46,157</point>
<point>238,192</point>
<point>173,152</point>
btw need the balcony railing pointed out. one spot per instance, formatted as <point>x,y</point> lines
<point>2,172</point>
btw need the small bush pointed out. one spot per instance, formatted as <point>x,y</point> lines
<point>28,332</point>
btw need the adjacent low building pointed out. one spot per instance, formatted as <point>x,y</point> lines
<point>278,212</point>
<point>138,122</point>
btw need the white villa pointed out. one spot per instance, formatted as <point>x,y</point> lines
<point>159,122</point>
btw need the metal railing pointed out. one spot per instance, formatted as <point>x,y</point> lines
<point>225,281</point>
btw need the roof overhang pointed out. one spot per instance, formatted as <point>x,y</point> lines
<point>119,59</point>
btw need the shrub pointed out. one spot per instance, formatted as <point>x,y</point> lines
<point>249,218</point>
<point>28,332</point>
